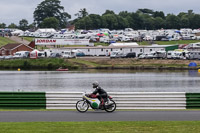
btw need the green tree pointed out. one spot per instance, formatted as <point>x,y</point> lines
<point>190,17</point>
<point>159,23</point>
<point>124,14</point>
<point>109,21</point>
<point>150,23</point>
<point>82,13</point>
<point>146,11</point>
<point>122,22</point>
<point>182,14</point>
<point>12,25</point>
<point>195,21</point>
<point>141,19</point>
<point>84,23</point>
<point>159,14</point>
<point>23,24</point>
<point>32,27</point>
<point>135,21</point>
<point>50,22</point>
<point>51,8</point>
<point>184,20</point>
<point>80,24</point>
<point>2,25</point>
<point>147,21</point>
<point>96,21</point>
<point>172,21</point>
<point>108,12</point>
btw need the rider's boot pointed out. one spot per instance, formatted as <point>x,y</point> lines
<point>102,104</point>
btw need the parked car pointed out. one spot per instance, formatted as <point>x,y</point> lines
<point>22,54</point>
<point>2,57</point>
<point>55,55</point>
<point>116,54</point>
<point>130,55</point>
<point>142,56</point>
<point>8,57</point>
<point>80,54</point>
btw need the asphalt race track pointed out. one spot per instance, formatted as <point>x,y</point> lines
<point>32,116</point>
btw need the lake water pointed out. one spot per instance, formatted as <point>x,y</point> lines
<point>112,81</point>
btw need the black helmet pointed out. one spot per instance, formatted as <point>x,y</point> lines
<point>95,84</point>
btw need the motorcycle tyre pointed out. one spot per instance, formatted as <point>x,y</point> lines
<point>108,110</point>
<point>81,110</point>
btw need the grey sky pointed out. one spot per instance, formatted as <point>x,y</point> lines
<point>16,10</point>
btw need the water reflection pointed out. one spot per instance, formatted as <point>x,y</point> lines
<point>111,80</point>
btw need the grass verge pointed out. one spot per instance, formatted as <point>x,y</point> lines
<point>30,39</point>
<point>168,42</point>
<point>99,127</point>
<point>4,41</point>
<point>36,64</point>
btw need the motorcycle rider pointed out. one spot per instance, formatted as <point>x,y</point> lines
<point>102,93</point>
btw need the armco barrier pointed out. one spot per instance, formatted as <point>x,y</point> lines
<point>124,100</point>
<point>62,100</point>
<point>22,100</point>
<point>193,100</point>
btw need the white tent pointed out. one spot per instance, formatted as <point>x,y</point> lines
<point>47,30</point>
<point>17,32</point>
<point>124,44</point>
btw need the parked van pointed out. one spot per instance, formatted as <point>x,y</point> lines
<point>69,54</point>
<point>22,54</point>
<point>160,54</point>
<point>104,39</point>
<point>142,56</point>
<point>156,55</point>
<point>194,55</point>
<point>116,54</point>
<point>170,54</point>
<point>180,54</point>
<point>37,54</point>
<point>130,55</point>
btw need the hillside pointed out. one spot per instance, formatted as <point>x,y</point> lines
<point>5,40</point>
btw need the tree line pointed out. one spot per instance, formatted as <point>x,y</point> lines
<point>141,19</point>
<point>50,14</point>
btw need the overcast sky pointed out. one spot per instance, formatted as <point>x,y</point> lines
<point>12,11</point>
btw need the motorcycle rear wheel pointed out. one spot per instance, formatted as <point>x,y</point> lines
<point>82,106</point>
<point>112,104</point>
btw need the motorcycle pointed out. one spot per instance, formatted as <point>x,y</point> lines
<point>91,100</point>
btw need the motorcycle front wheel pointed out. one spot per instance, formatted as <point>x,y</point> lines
<point>111,106</point>
<point>82,106</point>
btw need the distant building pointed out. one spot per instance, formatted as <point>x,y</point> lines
<point>71,27</point>
<point>10,49</point>
<point>106,50</point>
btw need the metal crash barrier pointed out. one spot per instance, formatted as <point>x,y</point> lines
<point>124,100</point>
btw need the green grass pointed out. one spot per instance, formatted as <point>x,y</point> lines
<point>36,64</point>
<point>84,62</point>
<point>101,127</point>
<point>162,65</point>
<point>29,38</point>
<point>144,43</point>
<point>168,42</point>
<point>177,42</point>
<point>54,63</point>
<point>102,44</point>
<point>5,40</point>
